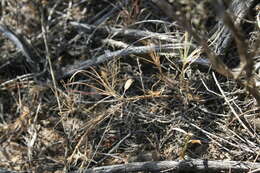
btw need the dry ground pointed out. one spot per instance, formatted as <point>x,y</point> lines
<point>135,107</point>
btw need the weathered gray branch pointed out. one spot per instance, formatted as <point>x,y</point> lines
<point>6,171</point>
<point>68,71</point>
<point>222,34</point>
<point>22,44</point>
<point>124,32</point>
<point>176,166</point>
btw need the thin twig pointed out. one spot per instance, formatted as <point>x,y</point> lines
<point>115,147</point>
<point>221,139</point>
<point>231,108</point>
<point>48,57</point>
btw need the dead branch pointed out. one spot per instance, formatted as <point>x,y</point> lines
<point>246,64</point>
<point>23,45</point>
<point>216,62</point>
<point>246,60</point>
<point>68,71</point>
<point>176,166</point>
<point>123,32</point>
<point>6,171</point>
<point>238,9</point>
<point>221,33</point>
<point>104,15</point>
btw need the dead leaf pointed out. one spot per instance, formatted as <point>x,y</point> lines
<point>127,85</point>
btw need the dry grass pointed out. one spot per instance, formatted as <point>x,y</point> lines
<point>139,107</point>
